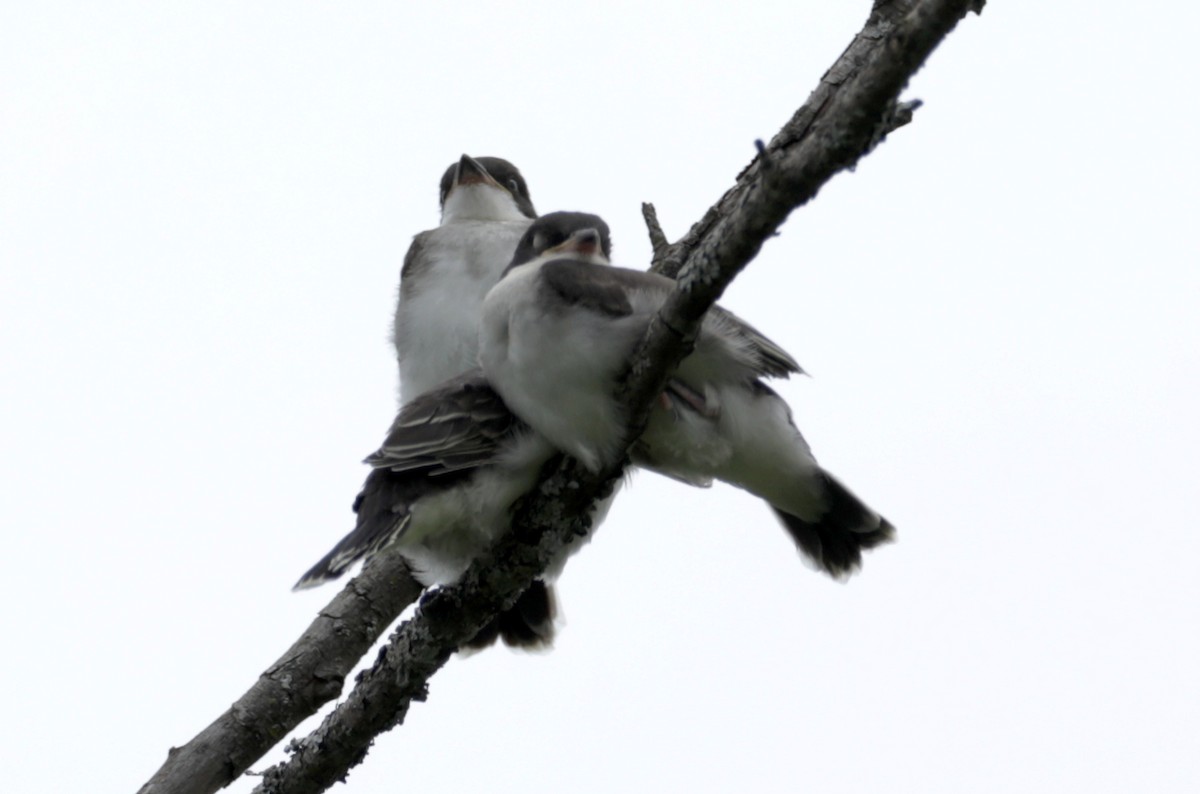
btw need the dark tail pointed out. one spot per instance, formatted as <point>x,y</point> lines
<point>383,517</point>
<point>836,541</point>
<point>528,624</point>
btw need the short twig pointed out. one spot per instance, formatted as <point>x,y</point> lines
<point>658,239</point>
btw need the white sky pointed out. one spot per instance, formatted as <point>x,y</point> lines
<point>203,210</point>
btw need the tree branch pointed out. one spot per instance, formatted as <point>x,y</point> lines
<point>658,239</point>
<point>554,513</point>
<point>852,109</point>
<point>306,677</point>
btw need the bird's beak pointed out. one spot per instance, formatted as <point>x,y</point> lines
<point>470,172</point>
<point>585,242</point>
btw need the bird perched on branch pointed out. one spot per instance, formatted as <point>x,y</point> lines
<point>441,489</point>
<point>435,490</point>
<point>456,459</point>
<point>448,270</point>
<point>558,331</point>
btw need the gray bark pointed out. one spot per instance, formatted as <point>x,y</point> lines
<point>307,676</point>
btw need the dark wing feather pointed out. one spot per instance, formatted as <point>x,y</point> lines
<point>775,361</point>
<point>594,287</point>
<point>435,443</point>
<point>384,511</point>
<point>606,288</point>
<point>458,426</point>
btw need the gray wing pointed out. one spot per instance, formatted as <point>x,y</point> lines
<point>607,289</point>
<point>775,362</point>
<point>413,261</point>
<point>434,445</point>
<point>459,425</point>
<point>598,288</point>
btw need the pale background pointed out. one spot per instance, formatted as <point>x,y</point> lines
<point>203,210</point>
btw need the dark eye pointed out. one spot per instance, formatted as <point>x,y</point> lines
<point>512,187</point>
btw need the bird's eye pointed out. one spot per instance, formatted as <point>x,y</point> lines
<point>512,187</point>
<point>539,242</point>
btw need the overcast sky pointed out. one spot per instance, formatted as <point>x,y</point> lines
<point>203,211</point>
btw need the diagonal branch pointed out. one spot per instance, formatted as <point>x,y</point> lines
<point>851,111</point>
<point>306,677</point>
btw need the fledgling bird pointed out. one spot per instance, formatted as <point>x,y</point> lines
<point>559,329</point>
<point>448,270</point>
<point>441,489</point>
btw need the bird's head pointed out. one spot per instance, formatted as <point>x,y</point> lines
<point>565,235</point>
<point>484,189</point>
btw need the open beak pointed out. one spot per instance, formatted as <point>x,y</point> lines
<point>470,172</point>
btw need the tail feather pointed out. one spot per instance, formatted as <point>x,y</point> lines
<point>383,517</point>
<point>357,545</point>
<point>836,541</point>
<point>528,624</point>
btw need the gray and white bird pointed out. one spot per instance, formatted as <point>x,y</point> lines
<point>448,270</point>
<point>455,458</point>
<point>558,330</point>
<point>441,490</point>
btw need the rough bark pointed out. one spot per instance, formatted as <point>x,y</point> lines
<point>851,111</point>
<point>306,677</point>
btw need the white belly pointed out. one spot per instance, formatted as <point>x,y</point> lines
<point>436,330</point>
<point>556,366</point>
<point>450,530</point>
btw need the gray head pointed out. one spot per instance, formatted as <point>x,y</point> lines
<point>498,178</point>
<point>571,235</point>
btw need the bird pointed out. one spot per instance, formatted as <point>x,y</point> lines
<point>485,209</point>
<point>441,491</point>
<point>558,330</point>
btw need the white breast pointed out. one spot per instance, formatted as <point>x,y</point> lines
<point>451,529</point>
<point>555,365</point>
<point>437,317</point>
